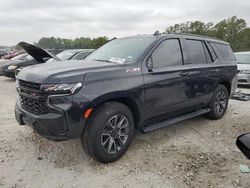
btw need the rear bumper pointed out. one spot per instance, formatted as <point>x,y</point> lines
<point>244,79</point>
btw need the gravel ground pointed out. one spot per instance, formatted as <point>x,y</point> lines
<point>195,153</point>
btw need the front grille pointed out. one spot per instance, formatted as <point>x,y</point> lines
<point>32,98</point>
<point>36,106</point>
<point>242,80</point>
<point>30,85</point>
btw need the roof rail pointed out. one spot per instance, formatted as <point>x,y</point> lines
<point>196,35</point>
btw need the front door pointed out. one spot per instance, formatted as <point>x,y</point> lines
<point>164,78</point>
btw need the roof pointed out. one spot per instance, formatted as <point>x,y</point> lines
<point>182,35</point>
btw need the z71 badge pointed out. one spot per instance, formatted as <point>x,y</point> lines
<point>133,70</point>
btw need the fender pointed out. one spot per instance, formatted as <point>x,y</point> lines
<point>130,99</point>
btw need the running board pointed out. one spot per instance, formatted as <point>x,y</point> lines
<point>174,120</point>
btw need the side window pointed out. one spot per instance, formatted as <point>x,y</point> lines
<point>226,51</point>
<point>212,51</point>
<point>208,56</point>
<point>196,51</point>
<point>168,53</point>
<point>81,55</point>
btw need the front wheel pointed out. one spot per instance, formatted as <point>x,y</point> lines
<point>219,103</point>
<point>109,132</point>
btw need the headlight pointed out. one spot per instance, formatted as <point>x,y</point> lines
<point>61,88</point>
<point>12,67</point>
<point>245,71</point>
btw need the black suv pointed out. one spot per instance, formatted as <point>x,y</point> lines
<point>144,82</point>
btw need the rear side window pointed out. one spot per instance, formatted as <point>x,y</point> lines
<point>208,56</point>
<point>225,51</point>
<point>211,50</point>
<point>168,53</point>
<point>196,51</point>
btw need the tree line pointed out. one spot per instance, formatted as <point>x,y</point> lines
<point>233,30</point>
<point>78,43</point>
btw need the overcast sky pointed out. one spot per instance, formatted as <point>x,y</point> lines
<point>29,20</point>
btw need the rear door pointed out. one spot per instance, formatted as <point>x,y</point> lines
<point>163,72</point>
<point>202,75</point>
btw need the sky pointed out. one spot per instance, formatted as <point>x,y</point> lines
<point>30,20</point>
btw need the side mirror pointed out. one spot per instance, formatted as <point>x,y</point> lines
<point>243,143</point>
<point>149,64</point>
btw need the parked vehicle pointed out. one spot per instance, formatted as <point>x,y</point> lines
<point>143,82</point>
<point>2,54</point>
<point>12,54</point>
<point>243,63</point>
<point>16,60</point>
<point>76,54</point>
<point>40,55</point>
<point>34,56</point>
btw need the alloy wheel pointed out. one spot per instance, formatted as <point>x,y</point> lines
<point>115,134</point>
<point>221,102</point>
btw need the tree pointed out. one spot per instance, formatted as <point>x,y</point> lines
<point>58,43</point>
<point>230,30</point>
<point>195,27</point>
<point>233,30</point>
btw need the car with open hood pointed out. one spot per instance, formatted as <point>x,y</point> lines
<point>34,55</point>
<point>143,82</point>
<point>243,63</point>
<point>15,60</point>
<point>38,55</point>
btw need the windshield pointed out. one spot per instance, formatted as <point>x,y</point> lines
<point>122,50</point>
<point>65,55</point>
<point>243,58</point>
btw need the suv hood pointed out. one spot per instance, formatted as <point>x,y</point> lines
<point>37,53</point>
<point>62,72</point>
<point>243,66</point>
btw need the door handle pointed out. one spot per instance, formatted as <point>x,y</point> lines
<point>215,70</point>
<point>189,73</point>
<point>184,73</point>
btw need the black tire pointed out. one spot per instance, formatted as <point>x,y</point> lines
<point>219,103</point>
<point>103,130</point>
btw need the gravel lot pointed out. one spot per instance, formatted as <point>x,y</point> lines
<point>194,153</point>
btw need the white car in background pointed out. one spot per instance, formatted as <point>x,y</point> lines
<point>243,63</point>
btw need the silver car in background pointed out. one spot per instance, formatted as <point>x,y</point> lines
<point>243,63</point>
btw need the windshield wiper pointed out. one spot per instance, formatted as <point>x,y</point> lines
<point>102,60</point>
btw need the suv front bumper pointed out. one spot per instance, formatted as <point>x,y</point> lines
<point>60,124</point>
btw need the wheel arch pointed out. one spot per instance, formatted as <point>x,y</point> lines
<point>227,85</point>
<point>128,99</point>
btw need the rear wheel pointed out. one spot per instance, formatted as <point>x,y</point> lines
<point>219,103</point>
<point>109,132</point>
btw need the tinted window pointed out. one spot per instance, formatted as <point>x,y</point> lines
<point>81,55</point>
<point>168,53</point>
<point>196,51</point>
<point>212,51</point>
<point>225,51</point>
<point>208,56</point>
